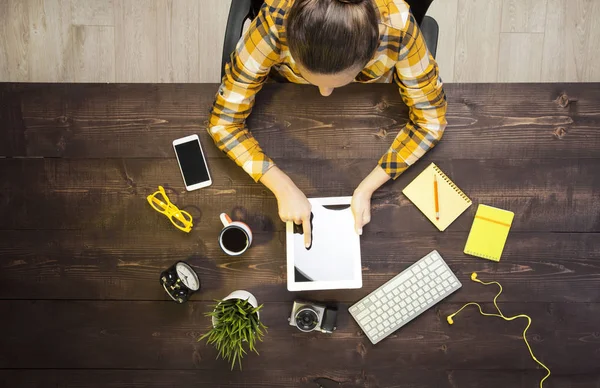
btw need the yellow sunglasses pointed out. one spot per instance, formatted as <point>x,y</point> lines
<point>161,203</point>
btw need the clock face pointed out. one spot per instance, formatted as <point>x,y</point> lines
<point>188,276</point>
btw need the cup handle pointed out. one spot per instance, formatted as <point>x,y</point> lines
<point>225,219</point>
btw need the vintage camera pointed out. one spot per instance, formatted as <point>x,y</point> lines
<point>308,316</point>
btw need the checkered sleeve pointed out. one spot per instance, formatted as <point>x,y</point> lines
<point>249,66</point>
<point>417,76</point>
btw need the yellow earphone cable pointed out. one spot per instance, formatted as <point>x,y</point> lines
<point>501,315</point>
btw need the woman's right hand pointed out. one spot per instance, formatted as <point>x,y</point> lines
<point>293,204</point>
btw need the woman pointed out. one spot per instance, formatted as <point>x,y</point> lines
<point>330,43</point>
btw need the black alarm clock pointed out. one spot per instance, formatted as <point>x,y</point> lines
<point>180,281</point>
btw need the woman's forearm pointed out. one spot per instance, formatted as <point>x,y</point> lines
<point>373,181</point>
<point>277,181</point>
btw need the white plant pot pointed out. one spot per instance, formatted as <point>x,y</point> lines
<point>244,295</point>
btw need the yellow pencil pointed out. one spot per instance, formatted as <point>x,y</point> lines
<point>435,198</point>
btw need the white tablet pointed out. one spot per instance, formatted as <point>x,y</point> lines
<point>333,260</point>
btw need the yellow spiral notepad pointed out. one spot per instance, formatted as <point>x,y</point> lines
<point>489,232</point>
<point>452,201</point>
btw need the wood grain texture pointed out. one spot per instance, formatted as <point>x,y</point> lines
<point>136,43</point>
<point>520,58</point>
<point>477,40</point>
<point>444,12</point>
<point>79,264</point>
<point>112,195</point>
<point>61,121</point>
<point>50,41</point>
<point>592,61</point>
<point>93,53</point>
<point>14,41</point>
<point>523,16</point>
<point>572,24</point>
<point>395,378</point>
<point>81,250</point>
<point>131,335</point>
<point>213,22</point>
<point>178,40</point>
<point>92,12</point>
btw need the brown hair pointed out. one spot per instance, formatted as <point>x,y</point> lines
<point>329,36</point>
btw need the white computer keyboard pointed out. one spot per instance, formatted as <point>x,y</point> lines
<point>404,297</point>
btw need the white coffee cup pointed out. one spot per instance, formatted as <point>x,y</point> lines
<point>235,237</point>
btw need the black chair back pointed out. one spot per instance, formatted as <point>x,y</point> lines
<point>419,8</point>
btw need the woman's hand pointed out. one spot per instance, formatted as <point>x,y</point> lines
<point>361,200</point>
<point>294,206</point>
<point>292,203</point>
<point>361,208</point>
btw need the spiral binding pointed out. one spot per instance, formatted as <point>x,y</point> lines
<point>472,253</point>
<point>444,177</point>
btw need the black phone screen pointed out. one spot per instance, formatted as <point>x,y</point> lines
<point>192,163</point>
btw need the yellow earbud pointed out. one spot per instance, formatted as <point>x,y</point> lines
<point>474,277</point>
<point>450,320</point>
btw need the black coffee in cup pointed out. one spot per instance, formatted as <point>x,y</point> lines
<point>234,239</point>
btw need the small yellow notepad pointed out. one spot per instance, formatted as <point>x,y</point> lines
<point>489,232</point>
<point>452,201</point>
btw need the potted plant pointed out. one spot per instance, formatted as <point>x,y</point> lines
<point>236,326</point>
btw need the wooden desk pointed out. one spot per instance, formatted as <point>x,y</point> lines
<point>81,250</point>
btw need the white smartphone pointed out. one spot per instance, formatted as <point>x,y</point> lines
<point>192,162</point>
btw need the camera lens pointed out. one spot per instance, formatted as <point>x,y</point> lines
<point>307,319</point>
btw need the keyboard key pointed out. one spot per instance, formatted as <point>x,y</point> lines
<point>363,314</point>
<point>436,264</point>
<point>397,281</point>
<point>379,294</point>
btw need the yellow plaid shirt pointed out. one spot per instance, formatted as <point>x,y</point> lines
<point>401,56</point>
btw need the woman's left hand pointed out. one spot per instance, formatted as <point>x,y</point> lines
<point>361,208</point>
<point>361,200</point>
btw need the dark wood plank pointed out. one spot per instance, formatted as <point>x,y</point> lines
<point>546,195</point>
<point>544,267</point>
<point>162,335</point>
<point>488,120</point>
<point>348,378</point>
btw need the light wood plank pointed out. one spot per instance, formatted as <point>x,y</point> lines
<point>444,12</point>
<point>14,39</point>
<point>591,71</point>
<point>93,12</point>
<point>93,53</point>
<point>177,41</point>
<point>477,40</point>
<point>523,15</point>
<point>213,22</point>
<point>568,40</point>
<point>135,41</point>
<point>520,57</point>
<point>49,40</point>
<point>558,62</point>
